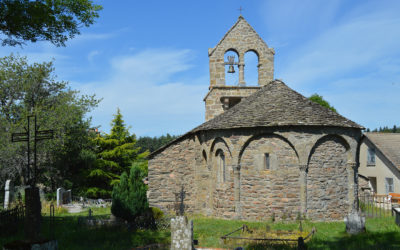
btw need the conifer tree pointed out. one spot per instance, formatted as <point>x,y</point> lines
<point>129,195</point>
<point>115,154</point>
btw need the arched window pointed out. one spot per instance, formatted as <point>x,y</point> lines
<point>251,68</point>
<point>204,159</point>
<point>220,157</point>
<point>231,79</point>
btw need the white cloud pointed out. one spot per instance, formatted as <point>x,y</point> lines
<point>92,54</point>
<point>362,42</point>
<point>353,63</point>
<point>140,85</point>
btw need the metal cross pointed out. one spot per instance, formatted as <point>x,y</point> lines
<point>32,136</point>
<point>240,10</point>
<point>179,206</point>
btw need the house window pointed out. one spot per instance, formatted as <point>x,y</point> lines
<point>389,185</point>
<point>371,157</point>
<point>220,166</point>
<point>266,161</point>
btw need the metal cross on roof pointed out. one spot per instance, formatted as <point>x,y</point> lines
<point>240,10</point>
<point>32,136</point>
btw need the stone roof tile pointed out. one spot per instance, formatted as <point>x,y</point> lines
<point>276,104</point>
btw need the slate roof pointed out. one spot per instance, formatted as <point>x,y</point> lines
<point>388,144</point>
<point>276,104</point>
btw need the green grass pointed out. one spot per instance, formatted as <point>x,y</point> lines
<point>381,233</point>
<point>72,235</point>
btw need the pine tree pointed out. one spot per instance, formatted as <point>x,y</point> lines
<point>116,152</point>
<point>129,195</point>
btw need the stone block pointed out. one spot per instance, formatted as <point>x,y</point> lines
<point>355,223</point>
<point>181,233</point>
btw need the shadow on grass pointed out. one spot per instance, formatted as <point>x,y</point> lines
<point>367,240</point>
<point>376,240</point>
<point>73,235</point>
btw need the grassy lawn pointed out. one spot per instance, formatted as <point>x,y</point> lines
<point>381,233</point>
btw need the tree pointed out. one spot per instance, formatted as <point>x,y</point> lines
<point>115,154</point>
<point>51,20</point>
<point>32,89</point>
<point>147,143</point>
<point>320,100</point>
<point>129,198</point>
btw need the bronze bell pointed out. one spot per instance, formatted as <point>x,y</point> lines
<point>231,69</point>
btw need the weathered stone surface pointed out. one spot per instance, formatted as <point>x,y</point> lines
<point>170,170</point>
<point>241,38</point>
<point>327,180</point>
<point>181,233</point>
<point>355,223</point>
<point>264,191</point>
<point>60,192</point>
<point>8,193</point>
<point>255,193</point>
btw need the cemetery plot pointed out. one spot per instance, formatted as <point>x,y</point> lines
<point>246,236</point>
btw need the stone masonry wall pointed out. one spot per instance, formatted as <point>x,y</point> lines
<point>327,182</point>
<point>213,103</point>
<point>168,171</point>
<point>241,38</point>
<point>251,192</point>
<point>267,193</point>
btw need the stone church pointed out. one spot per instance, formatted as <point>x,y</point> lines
<point>263,152</point>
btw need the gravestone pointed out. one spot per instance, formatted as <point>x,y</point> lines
<point>67,197</point>
<point>8,196</point>
<point>355,222</point>
<point>181,233</point>
<point>60,192</point>
<point>42,194</point>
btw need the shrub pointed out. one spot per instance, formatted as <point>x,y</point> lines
<point>157,213</point>
<point>129,199</point>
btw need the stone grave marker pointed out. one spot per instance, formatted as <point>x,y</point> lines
<point>181,228</point>
<point>60,192</point>
<point>355,222</point>
<point>9,192</point>
<point>67,197</point>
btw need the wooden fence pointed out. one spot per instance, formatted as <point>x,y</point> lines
<point>375,206</point>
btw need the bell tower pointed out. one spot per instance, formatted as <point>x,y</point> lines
<point>239,40</point>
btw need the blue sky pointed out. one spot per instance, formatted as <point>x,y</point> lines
<point>149,58</point>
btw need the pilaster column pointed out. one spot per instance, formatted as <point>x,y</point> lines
<point>236,182</point>
<point>241,74</point>
<point>303,188</point>
<point>352,168</point>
